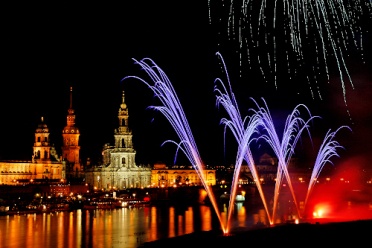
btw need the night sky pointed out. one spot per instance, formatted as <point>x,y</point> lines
<point>48,49</point>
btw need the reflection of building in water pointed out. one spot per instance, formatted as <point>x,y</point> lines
<point>162,176</point>
<point>119,169</point>
<point>45,164</point>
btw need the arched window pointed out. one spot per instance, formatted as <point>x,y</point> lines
<point>45,139</point>
<point>122,143</point>
<point>123,122</point>
<point>123,160</point>
<point>38,139</point>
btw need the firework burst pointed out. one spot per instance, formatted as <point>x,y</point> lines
<point>302,40</point>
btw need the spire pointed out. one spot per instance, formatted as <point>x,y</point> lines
<point>123,105</point>
<point>123,135</point>
<point>70,110</point>
<point>70,97</point>
<point>71,148</point>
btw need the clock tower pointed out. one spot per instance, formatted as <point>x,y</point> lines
<point>71,148</point>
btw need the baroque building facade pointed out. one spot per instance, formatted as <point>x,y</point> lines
<point>163,176</point>
<point>45,165</point>
<point>118,169</point>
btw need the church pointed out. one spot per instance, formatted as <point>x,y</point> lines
<point>46,166</point>
<point>118,169</point>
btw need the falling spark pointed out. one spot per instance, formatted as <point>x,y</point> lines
<point>303,37</point>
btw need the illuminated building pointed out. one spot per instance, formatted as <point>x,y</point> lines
<point>45,165</point>
<point>162,176</point>
<point>119,170</point>
<point>71,148</point>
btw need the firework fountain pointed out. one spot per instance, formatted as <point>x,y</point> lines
<point>173,111</point>
<point>326,151</point>
<point>283,148</point>
<point>262,118</point>
<point>244,135</point>
<point>258,126</point>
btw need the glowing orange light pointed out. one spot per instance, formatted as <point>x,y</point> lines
<point>321,210</point>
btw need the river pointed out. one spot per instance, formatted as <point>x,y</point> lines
<point>122,227</point>
<point>131,227</point>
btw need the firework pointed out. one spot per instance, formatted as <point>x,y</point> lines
<point>301,40</point>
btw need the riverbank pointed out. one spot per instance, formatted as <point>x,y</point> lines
<point>354,233</point>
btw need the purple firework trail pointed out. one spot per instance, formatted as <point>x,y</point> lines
<point>256,127</point>
<point>283,148</point>
<point>243,132</point>
<point>172,109</point>
<point>326,151</point>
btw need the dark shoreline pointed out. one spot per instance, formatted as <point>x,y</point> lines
<point>355,233</point>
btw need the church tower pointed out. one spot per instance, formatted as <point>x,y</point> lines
<point>119,169</point>
<point>123,136</point>
<point>123,140</point>
<point>45,162</point>
<point>42,147</point>
<point>71,148</point>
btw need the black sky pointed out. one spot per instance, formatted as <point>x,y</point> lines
<point>47,49</point>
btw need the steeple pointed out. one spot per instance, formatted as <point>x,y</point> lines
<point>123,152</point>
<point>123,135</point>
<point>70,97</point>
<point>123,105</point>
<point>123,115</point>
<point>119,169</point>
<point>70,116</point>
<point>70,128</point>
<point>71,148</point>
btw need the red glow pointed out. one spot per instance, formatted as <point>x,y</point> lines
<point>322,210</point>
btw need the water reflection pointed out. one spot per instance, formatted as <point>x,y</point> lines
<point>125,227</point>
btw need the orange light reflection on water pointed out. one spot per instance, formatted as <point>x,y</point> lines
<point>242,214</point>
<point>172,227</point>
<point>30,231</point>
<point>153,224</point>
<point>207,218</point>
<point>189,220</point>
<point>124,227</point>
<point>71,230</point>
<point>61,229</point>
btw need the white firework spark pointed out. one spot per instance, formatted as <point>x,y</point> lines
<point>302,38</point>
